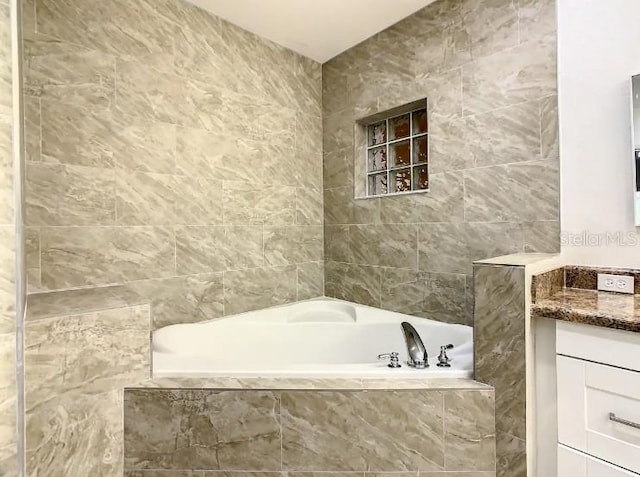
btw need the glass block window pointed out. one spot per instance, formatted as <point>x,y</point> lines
<point>397,151</point>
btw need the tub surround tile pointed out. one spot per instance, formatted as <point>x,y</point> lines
<point>58,195</point>
<point>198,430</point>
<point>296,244</point>
<point>318,431</point>
<point>500,311</point>
<point>384,245</point>
<point>445,298</point>
<point>247,290</point>
<point>72,302</point>
<point>402,291</point>
<point>8,403</point>
<point>310,280</point>
<point>469,423</point>
<point>32,147</point>
<point>76,367</point>
<point>357,283</point>
<point>81,256</point>
<point>542,236</point>
<point>186,299</point>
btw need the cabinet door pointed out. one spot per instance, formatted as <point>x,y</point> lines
<point>572,463</point>
<point>599,411</point>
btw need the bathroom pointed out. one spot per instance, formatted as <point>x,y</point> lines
<point>353,238</point>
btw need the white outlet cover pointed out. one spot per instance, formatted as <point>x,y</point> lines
<point>615,283</point>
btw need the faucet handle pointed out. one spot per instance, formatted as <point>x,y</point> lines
<point>394,359</point>
<point>443,359</point>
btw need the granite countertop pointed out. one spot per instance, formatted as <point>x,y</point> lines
<point>591,307</point>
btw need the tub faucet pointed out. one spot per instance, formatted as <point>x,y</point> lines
<point>416,350</point>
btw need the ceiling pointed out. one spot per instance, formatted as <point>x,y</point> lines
<point>318,29</point>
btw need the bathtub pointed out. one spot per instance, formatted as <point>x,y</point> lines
<point>324,338</point>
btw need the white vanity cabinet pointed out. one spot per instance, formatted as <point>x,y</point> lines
<point>598,383</point>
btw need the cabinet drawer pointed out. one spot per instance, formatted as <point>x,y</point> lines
<point>572,463</point>
<point>591,397</point>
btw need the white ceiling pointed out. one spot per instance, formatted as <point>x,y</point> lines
<point>318,29</point>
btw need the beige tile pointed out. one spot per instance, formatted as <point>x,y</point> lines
<point>198,201</point>
<point>452,248</point>
<point>182,299</point>
<point>445,298</point>
<point>537,19</point>
<point>310,280</point>
<point>519,183</point>
<point>9,435</point>
<point>68,73</point>
<point>144,198</point>
<point>384,245</point>
<point>213,440</point>
<point>402,290</point>
<point>542,237</point>
<point>338,169</point>
<point>203,249</point>
<point>336,243</point>
<point>341,208</point>
<point>258,205</point>
<point>69,195</point>
<point>549,128</point>
<point>470,439</point>
<point>81,256</point>
<point>492,25</point>
<point>294,244</point>
<point>318,430</point>
<point>247,290</point>
<point>309,205</point>
<point>357,283</point>
<point>32,138</point>
<point>510,77</point>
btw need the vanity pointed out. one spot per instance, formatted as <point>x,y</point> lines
<point>597,359</point>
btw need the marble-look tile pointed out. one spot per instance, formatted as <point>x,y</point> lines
<point>505,135</point>
<point>88,353</point>
<point>294,244</point>
<point>161,102</point>
<point>80,301</point>
<point>513,76</point>
<point>69,195</point>
<point>203,249</point>
<point>452,248</point>
<point>334,85</point>
<point>76,434</point>
<point>252,289</point>
<point>182,299</point>
<point>163,473</point>
<point>384,245</point>
<point>145,199</point>
<point>443,92</point>
<point>357,283</point>
<point>255,205</point>
<point>202,153</point>
<point>6,171</point>
<point>8,404</point>
<point>492,25</point>
<point>537,19</point>
<point>182,429</point>
<point>310,280</point>
<point>319,429</point>
<point>133,31</point>
<point>338,132</point>
<point>441,46</point>
<point>449,148</point>
<point>76,367</point>
<point>443,203</point>
<point>402,290</point>
<point>336,243</point>
<point>32,146</point>
<point>542,237</point>
<point>198,201</point>
<point>338,169</point>
<point>310,205</point>
<point>511,459</point>
<point>469,426</point>
<point>341,208</point>
<point>445,298</point>
<point>499,311</point>
<point>68,73</point>
<point>81,256</point>
<point>549,128</point>
<point>503,193</point>
<point>105,139</point>
<point>308,132</point>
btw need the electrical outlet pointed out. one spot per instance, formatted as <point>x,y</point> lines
<point>615,283</point>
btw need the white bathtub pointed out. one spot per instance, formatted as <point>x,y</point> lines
<point>318,338</point>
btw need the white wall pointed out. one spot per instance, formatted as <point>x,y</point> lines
<point>598,52</point>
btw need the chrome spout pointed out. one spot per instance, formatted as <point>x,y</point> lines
<point>416,350</point>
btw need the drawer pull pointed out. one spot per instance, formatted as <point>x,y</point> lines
<point>624,422</point>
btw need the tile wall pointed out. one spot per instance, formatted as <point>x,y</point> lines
<point>447,433</point>
<point>9,279</point>
<point>488,69</point>
<point>172,151</point>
